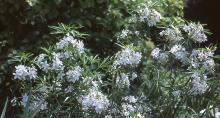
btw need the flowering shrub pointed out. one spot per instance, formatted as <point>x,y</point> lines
<point>175,78</point>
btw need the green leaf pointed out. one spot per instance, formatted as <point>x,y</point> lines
<point>4,110</point>
<point>217,57</point>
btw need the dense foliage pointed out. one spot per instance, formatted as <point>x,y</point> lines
<point>100,60</point>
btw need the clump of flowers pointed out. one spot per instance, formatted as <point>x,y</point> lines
<point>69,40</point>
<point>172,34</point>
<point>130,99</point>
<point>180,53</point>
<point>124,33</point>
<point>150,16</point>
<point>57,64</point>
<point>202,58</point>
<point>159,55</point>
<point>199,83</point>
<point>73,75</point>
<point>196,32</point>
<point>127,110</point>
<point>132,106</point>
<point>43,63</point>
<point>35,104</point>
<point>127,57</point>
<point>23,72</point>
<point>123,81</point>
<point>95,99</point>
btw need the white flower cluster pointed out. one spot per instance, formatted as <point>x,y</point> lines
<point>38,104</point>
<point>172,34</point>
<point>199,83</point>
<point>133,76</point>
<point>161,56</point>
<point>124,33</point>
<point>197,58</point>
<point>217,114</point>
<point>24,100</point>
<point>149,15</point>
<point>127,110</point>
<point>69,89</point>
<point>176,93</point>
<point>57,63</point>
<point>202,58</point>
<point>130,99</point>
<point>67,40</point>
<point>33,105</point>
<point>131,108</point>
<point>62,55</point>
<point>155,53</point>
<point>42,62</point>
<point>132,19</point>
<point>23,72</point>
<point>73,75</point>
<point>79,45</point>
<point>127,57</point>
<point>180,53</point>
<point>95,99</point>
<point>196,32</point>
<point>123,81</point>
<point>58,57</point>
